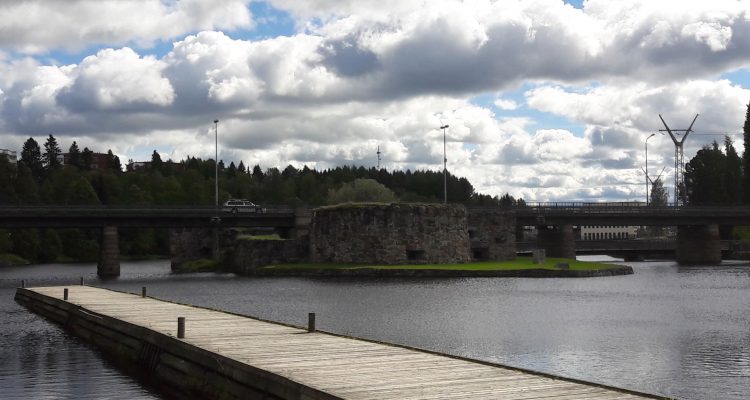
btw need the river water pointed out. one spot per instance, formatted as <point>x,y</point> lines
<point>674,331</point>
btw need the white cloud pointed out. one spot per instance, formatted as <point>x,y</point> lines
<point>43,25</point>
<point>505,104</point>
<point>117,80</point>
<point>363,74</point>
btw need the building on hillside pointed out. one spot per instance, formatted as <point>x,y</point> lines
<point>139,165</point>
<point>98,160</point>
<point>607,232</point>
<point>9,154</point>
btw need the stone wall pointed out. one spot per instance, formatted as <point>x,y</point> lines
<point>244,256</point>
<point>188,244</point>
<point>492,234</point>
<point>390,234</point>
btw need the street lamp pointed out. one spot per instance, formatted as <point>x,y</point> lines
<point>445,168</point>
<point>216,161</point>
<point>647,180</point>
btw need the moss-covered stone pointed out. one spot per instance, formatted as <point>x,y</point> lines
<point>199,265</point>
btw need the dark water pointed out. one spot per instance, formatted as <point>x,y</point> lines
<point>675,331</point>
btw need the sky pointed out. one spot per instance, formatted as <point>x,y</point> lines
<point>546,100</point>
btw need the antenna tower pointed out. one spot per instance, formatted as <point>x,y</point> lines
<point>679,161</point>
<point>379,157</point>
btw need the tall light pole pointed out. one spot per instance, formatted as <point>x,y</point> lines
<point>647,180</point>
<point>216,161</point>
<point>445,168</point>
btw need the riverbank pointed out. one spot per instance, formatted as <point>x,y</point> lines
<point>522,267</point>
<point>12,260</point>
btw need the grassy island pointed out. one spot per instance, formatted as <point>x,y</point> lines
<point>520,267</point>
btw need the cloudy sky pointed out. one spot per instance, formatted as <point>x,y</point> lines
<point>546,100</point>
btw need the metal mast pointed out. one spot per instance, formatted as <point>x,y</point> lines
<point>679,162</point>
<point>378,157</point>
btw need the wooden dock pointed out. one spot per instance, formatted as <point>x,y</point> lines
<point>224,355</point>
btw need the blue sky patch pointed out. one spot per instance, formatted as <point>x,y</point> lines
<point>540,119</point>
<point>738,77</point>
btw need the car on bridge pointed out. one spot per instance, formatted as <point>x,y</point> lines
<point>235,206</point>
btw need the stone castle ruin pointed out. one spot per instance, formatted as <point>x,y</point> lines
<point>402,233</point>
<point>386,234</point>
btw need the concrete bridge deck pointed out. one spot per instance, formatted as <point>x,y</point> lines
<point>232,356</point>
<point>142,217</point>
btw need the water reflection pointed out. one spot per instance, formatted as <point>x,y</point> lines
<point>668,330</point>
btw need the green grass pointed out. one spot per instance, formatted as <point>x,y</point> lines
<point>200,265</point>
<point>520,263</point>
<point>273,236</point>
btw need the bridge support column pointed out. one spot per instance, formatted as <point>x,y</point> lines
<point>557,241</point>
<point>698,244</point>
<point>109,253</point>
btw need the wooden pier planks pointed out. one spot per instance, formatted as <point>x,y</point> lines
<point>341,367</point>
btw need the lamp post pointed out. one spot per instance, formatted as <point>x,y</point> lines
<point>647,180</point>
<point>216,161</point>
<point>445,168</point>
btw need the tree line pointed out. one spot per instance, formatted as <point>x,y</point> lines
<point>716,177</point>
<point>40,178</point>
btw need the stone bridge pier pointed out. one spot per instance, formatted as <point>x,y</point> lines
<point>698,244</point>
<point>109,253</point>
<point>556,240</point>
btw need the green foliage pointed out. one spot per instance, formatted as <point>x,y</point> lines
<point>26,243</point>
<point>74,156</point>
<point>51,153</point>
<point>746,157</point>
<point>7,187</point>
<point>51,246</point>
<point>732,178</point>
<point>200,265</point>
<point>6,243</point>
<point>658,196</point>
<point>712,177</point>
<point>362,190</point>
<point>80,244</point>
<point>31,157</point>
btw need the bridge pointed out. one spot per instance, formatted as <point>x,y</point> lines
<point>284,219</point>
<point>141,217</point>
<point>697,241</point>
<point>603,214</point>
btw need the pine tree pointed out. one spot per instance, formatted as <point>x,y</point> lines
<point>113,162</point>
<point>51,154</point>
<point>732,173</point>
<point>257,173</point>
<point>31,157</point>
<point>74,155</point>
<point>241,168</point>
<point>156,162</point>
